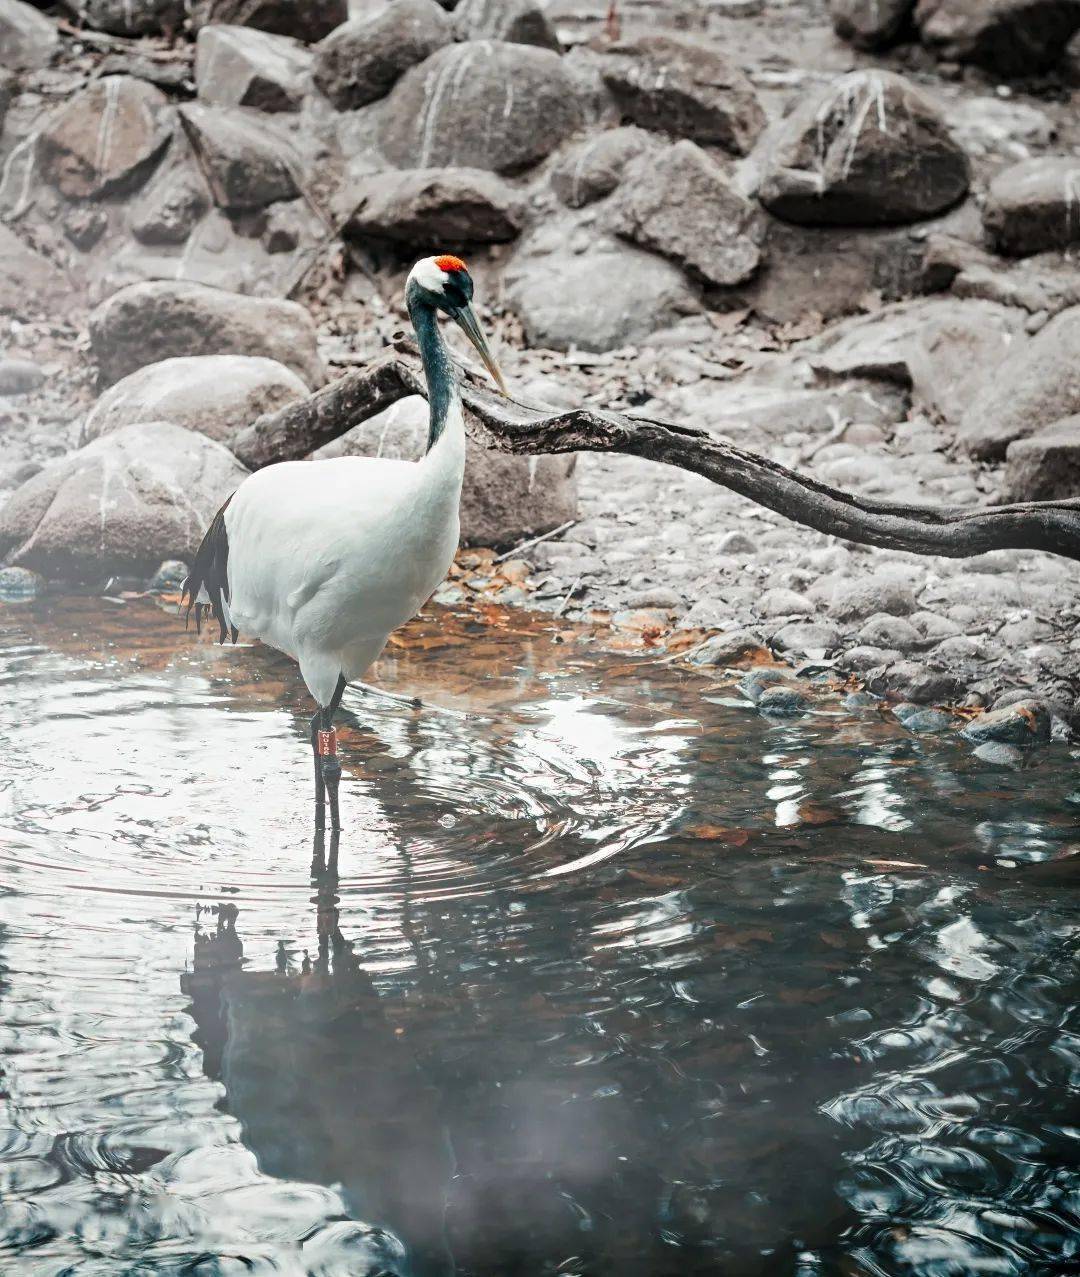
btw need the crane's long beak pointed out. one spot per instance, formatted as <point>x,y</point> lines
<point>466,320</point>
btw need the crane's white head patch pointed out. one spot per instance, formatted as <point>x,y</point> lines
<point>432,272</point>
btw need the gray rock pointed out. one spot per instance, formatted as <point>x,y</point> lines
<point>806,637</point>
<point>169,208</point>
<point>1037,385</point>
<point>246,166</point>
<point>755,683</point>
<point>591,169</point>
<point>362,60</point>
<point>603,298</point>
<point>933,627</point>
<point>779,602</point>
<point>482,104</point>
<point>782,702</point>
<point>503,497</point>
<point>918,718</point>
<point>867,596</point>
<point>870,24</point>
<point>1046,466</point>
<point>686,87</point>
<point>121,504</point>
<point>860,700</point>
<point>28,39</point>
<point>1023,723</point>
<point>307,20</point>
<point>146,323</point>
<point>921,684</point>
<point>735,648</point>
<point>216,395</point>
<point>680,203</point>
<point>19,376</point>
<point>421,207</point>
<point>884,630</point>
<point>30,285</point>
<point>657,596</point>
<point>20,585</point>
<point>1000,754</point>
<point>106,138</point>
<point>518,21</point>
<point>84,225</point>
<point>134,17</point>
<point>240,66</point>
<point>1034,206</point>
<point>737,542</point>
<point>170,576</point>
<point>863,657</point>
<point>1010,37</point>
<point>870,149</point>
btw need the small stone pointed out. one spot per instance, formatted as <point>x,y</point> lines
<point>920,684</point>
<point>807,637</point>
<point>933,627</point>
<point>1000,754</point>
<point>20,585</point>
<point>169,577</point>
<point>737,648</point>
<point>423,206</point>
<point>594,167</point>
<point>854,600</point>
<point>658,596</point>
<point>1034,206</point>
<point>779,602</point>
<point>169,209</point>
<point>921,719</point>
<point>84,225</point>
<point>19,376</point>
<point>864,657</point>
<point>518,21</point>
<point>1023,723</point>
<point>884,630</point>
<point>782,702</point>
<point>755,683</point>
<point>860,700</point>
<point>737,543</point>
<point>641,620</point>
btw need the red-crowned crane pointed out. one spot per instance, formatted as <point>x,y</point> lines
<point>325,559</point>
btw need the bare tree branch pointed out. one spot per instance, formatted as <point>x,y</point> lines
<point>510,426</point>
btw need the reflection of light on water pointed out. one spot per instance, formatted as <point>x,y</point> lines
<point>963,948</point>
<point>878,801</point>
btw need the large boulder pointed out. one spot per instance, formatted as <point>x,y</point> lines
<point>1037,385</point>
<point>482,104</point>
<point>607,296</point>
<point>363,60</point>
<point>247,166</point>
<point>145,323</point>
<point>27,38</point>
<point>869,149</point>
<point>503,497</point>
<point>519,21</point>
<point>685,87</point>
<point>134,17</point>
<point>307,20</point>
<point>679,202</point>
<point>594,167</point>
<point>870,24</point>
<point>106,138</point>
<point>240,66</point>
<point>1010,37</point>
<point>217,395</point>
<point>123,503</point>
<point>1034,206</point>
<point>421,207</point>
<point>1045,466</point>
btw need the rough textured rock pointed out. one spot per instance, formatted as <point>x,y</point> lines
<point>602,298</point>
<point>871,595</point>
<point>679,202</point>
<point>363,60</point>
<point>482,104</point>
<point>518,21</point>
<point>106,138</point>
<point>1023,723</point>
<point>591,169</point>
<point>868,150</point>
<point>686,87</point>
<point>421,207</point>
<point>782,702</point>
<point>167,211</point>
<point>240,66</point>
<point>246,166</point>
<point>1011,37</point>
<point>145,323</point>
<point>870,24</point>
<point>133,17</point>
<point>123,503</point>
<point>1034,206</point>
<point>213,394</point>
<point>1045,466</point>
<point>29,283</point>
<point>27,38</point>
<point>1037,385</point>
<point>307,20</point>
<point>503,497</point>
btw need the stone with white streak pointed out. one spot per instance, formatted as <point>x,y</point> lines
<point>1034,206</point>
<point>246,165</point>
<point>240,66</point>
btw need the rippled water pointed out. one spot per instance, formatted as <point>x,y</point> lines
<point>611,976</point>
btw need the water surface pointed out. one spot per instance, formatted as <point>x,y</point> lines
<point>606,975</point>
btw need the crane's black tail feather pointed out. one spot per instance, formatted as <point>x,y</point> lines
<point>206,588</point>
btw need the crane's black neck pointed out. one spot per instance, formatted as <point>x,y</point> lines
<point>438,368</point>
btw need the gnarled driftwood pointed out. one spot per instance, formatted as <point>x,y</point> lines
<point>955,531</point>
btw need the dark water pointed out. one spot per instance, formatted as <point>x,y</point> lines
<point>609,977</point>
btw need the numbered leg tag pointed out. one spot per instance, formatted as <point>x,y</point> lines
<point>328,743</point>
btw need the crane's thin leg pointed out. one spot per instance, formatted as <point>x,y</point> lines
<point>320,784</point>
<point>326,745</point>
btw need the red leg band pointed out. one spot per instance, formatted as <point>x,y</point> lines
<point>328,743</point>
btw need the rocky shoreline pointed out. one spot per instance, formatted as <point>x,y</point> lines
<point>845,236</point>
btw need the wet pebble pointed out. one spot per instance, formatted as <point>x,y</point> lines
<point>658,596</point>
<point>729,649</point>
<point>999,753</point>
<point>860,700</point>
<point>20,585</point>
<point>922,718</point>
<point>754,684</point>
<point>1023,723</point>
<point>169,576</point>
<point>782,702</point>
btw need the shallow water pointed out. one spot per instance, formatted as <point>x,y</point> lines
<point>612,975</point>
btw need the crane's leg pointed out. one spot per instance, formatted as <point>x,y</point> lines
<point>325,740</point>
<point>320,784</point>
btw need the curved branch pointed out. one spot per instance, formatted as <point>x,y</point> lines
<point>510,426</point>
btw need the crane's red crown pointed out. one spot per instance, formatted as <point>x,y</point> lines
<point>450,263</point>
